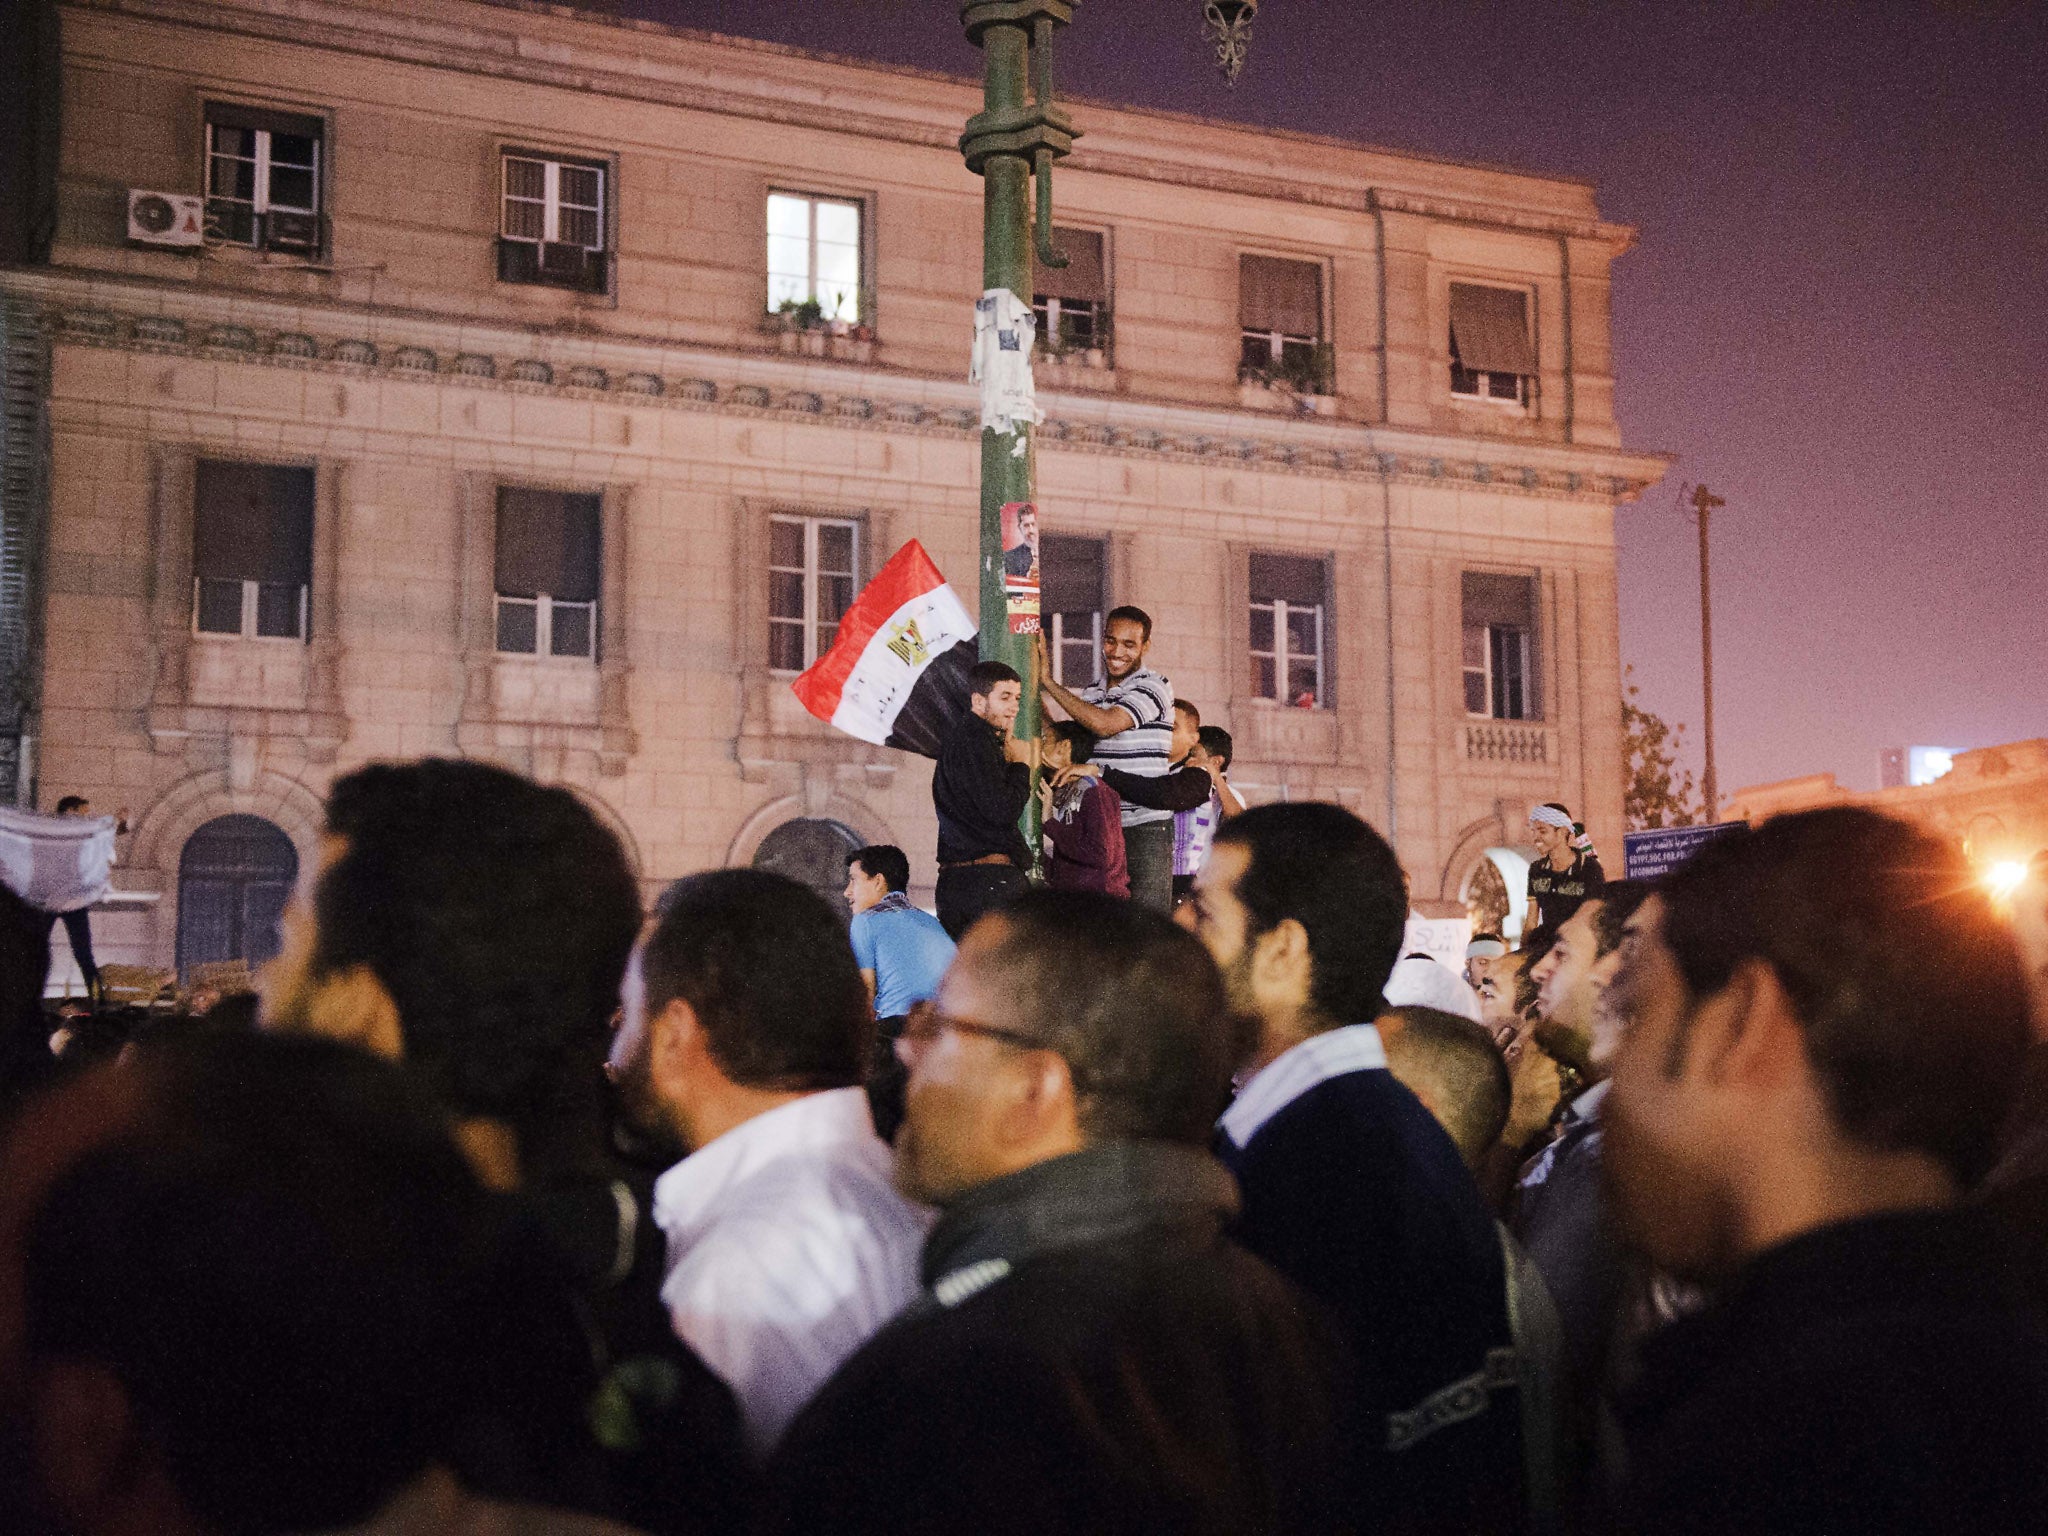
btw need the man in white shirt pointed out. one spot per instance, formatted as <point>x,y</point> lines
<point>744,1040</point>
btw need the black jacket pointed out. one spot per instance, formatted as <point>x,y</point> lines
<point>1875,1376</point>
<point>1092,1355</point>
<point>1355,1193</point>
<point>979,795</point>
<point>1178,789</point>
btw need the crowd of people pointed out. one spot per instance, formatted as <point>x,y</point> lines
<point>1723,1208</point>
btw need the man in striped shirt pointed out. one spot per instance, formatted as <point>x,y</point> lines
<point>1131,713</point>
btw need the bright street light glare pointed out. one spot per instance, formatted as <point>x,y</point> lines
<point>2005,877</point>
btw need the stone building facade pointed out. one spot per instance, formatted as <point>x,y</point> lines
<point>486,303</point>
<point>1993,801</point>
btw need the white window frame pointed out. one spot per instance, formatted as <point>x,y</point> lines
<point>1519,405</point>
<point>1049,308</point>
<point>544,627</point>
<point>260,203</point>
<point>251,597</point>
<point>1060,639</point>
<point>551,196</point>
<point>1484,671</point>
<point>1282,655</point>
<point>811,576</point>
<point>849,309</point>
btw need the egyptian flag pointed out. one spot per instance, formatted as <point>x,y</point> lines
<point>897,672</point>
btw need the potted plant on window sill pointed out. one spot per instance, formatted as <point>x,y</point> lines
<point>799,326</point>
<point>853,343</point>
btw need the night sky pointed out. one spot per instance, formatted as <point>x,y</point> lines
<point>1837,315</point>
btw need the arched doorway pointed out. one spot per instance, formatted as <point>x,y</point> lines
<point>811,850</point>
<point>234,877</point>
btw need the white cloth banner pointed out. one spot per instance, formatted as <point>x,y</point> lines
<point>58,863</point>
<point>1003,330</point>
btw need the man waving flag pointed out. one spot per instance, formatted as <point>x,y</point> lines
<point>897,672</point>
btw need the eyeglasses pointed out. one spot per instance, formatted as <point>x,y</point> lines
<point>926,1023</point>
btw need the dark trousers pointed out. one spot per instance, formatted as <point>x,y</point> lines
<point>886,1079</point>
<point>968,890</point>
<point>78,928</point>
<point>1148,854</point>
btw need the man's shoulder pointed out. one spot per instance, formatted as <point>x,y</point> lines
<point>1347,1124</point>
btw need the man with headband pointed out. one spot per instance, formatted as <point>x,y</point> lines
<point>1563,876</point>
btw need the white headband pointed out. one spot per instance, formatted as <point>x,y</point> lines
<point>1550,817</point>
<point>1485,949</point>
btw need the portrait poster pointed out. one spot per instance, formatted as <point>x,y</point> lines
<point>1020,566</point>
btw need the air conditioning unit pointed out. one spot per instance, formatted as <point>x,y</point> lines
<point>166,218</point>
<point>297,233</point>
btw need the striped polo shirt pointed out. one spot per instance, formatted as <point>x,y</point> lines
<point>1143,749</point>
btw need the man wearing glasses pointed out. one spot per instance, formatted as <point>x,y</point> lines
<point>1089,1351</point>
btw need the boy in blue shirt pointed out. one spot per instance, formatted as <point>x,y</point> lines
<point>902,952</point>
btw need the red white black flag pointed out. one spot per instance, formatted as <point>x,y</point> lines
<point>897,671</point>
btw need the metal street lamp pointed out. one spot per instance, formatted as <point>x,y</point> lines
<point>1011,144</point>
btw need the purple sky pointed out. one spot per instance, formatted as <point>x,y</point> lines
<point>1837,315</point>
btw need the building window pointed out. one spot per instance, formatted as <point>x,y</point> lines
<point>1073,588</point>
<point>814,255</point>
<point>1491,358</point>
<point>1280,308</point>
<point>1072,302</point>
<point>1499,653</point>
<point>547,572</point>
<point>252,549</point>
<point>813,565</point>
<point>552,222</point>
<point>263,183</point>
<point>1288,596</point>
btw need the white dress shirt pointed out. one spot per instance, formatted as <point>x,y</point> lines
<point>788,1247</point>
<point>1334,1052</point>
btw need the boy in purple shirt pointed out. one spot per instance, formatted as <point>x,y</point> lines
<point>1083,819</point>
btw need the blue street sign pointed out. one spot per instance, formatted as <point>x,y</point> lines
<point>1647,855</point>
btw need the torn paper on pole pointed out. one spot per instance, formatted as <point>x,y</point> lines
<point>1003,330</point>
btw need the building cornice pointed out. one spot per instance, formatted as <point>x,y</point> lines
<point>837,95</point>
<point>128,315</point>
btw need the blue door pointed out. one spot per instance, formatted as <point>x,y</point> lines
<point>234,879</point>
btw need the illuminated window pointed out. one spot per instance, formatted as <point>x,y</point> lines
<point>814,254</point>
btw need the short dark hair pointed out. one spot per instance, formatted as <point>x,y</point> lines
<point>886,860</point>
<point>983,676</point>
<point>1908,986</point>
<point>71,803</point>
<point>497,912</point>
<point>1618,900</point>
<point>1458,1057</point>
<point>1129,614</point>
<point>1322,866</point>
<point>1075,735</point>
<point>272,1252</point>
<point>1132,1003</point>
<point>1184,707</point>
<point>765,964</point>
<point>1216,742</point>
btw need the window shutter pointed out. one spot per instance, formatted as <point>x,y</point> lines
<point>253,522</point>
<point>1505,601</point>
<point>1083,277</point>
<point>547,542</point>
<point>1490,329</point>
<point>1296,580</point>
<point>1070,574</point>
<point>1274,294</point>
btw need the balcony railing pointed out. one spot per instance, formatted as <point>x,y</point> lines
<point>1506,741</point>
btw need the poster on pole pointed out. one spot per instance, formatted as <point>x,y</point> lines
<point>1020,566</point>
<point>1655,853</point>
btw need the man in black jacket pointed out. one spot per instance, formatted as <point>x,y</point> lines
<point>1351,1188</point>
<point>1825,1020</point>
<point>979,789</point>
<point>1092,1353</point>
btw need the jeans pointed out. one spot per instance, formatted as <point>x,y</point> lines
<point>968,890</point>
<point>886,1079</point>
<point>1148,854</point>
